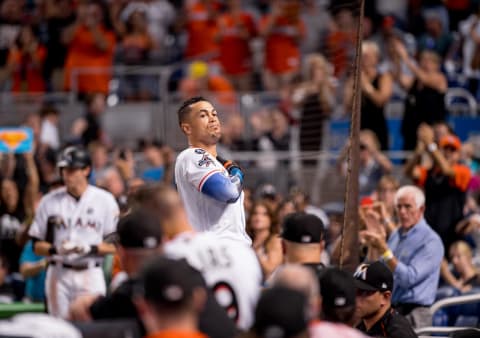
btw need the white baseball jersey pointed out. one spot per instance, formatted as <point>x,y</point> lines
<point>84,222</point>
<point>227,220</point>
<point>230,268</point>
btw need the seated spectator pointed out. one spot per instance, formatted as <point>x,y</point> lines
<point>90,44</point>
<point>282,29</point>
<point>33,269</point>
<point>235,30</point>
<point>385,193</point>
<point>88,128</point>
<point>99,155</point>
<point>158,165</point>
<point>445,184</point>
<point>25,63</point>
<point>376,87</point>
<point>135,49</point>
<point>111,180</point>
<point>263,229</point>
<point>469,229</point>
<point>426,92</point>
<point>465,273</point>
<point>413,253</point>
<point>374,284</point>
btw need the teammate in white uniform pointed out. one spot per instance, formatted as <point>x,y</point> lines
<point>230,267</point>
<point>211,188</point>
<point>70,226</point>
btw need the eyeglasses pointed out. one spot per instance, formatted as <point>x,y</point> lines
<point>365,293</point>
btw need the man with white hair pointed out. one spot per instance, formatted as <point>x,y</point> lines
<point>414,254</point>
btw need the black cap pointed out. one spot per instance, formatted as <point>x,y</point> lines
<point>139,229</point>
<point>170,282</point>
<point>304,228</point>
<point>373,277</point>
<point>281,312</point>
<point>337,288</point>
<point>74,157</point>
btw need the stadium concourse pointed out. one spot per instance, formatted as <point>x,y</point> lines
<point>91,133</point>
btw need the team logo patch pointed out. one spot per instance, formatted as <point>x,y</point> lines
<point>205,161</point>
<point>199,151</point>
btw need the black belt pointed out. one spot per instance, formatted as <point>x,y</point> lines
<point>76,267</point>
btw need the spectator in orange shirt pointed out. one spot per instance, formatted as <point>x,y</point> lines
<point>236,28</point>
<point>200,82</point>
<point>201,26</point>
<point>282,29</point>
<point>340,42</point>
<point>90,44</point>
<point>445,184</point>
<point>25,63</point>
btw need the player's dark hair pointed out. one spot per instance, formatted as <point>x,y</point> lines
<point>343,315</point>
<point>185,107</point>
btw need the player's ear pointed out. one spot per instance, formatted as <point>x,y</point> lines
<point>186,128</point>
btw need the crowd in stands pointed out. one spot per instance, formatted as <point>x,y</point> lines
<point>303,52</point>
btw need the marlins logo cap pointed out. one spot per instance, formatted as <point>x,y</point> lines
<point>373,277</point>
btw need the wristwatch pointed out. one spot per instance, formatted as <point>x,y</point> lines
<point>432,147</point>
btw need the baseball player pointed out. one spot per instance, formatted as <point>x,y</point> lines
<point>210,187</point>
<point>70,225</point>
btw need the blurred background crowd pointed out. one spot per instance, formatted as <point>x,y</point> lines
<point>110,75</point>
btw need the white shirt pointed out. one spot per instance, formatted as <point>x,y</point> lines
<point>83,222</point>
<point>193,167</point>
<point>230,268</point>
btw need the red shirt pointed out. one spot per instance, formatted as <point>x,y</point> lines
<point>201,30</point>
<point>26,76</point>
<point>235,55</point>
<point>282,52</point>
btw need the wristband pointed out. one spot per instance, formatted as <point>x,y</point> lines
<point>387,255</point>
<point>52,251</point>
<point>94,249</point>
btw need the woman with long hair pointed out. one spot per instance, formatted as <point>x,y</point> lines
<point>264,231</point>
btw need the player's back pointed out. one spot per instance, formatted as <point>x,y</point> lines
<point>193,167</point>
<point>230,268</point>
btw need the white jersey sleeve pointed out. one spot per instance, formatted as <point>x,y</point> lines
<point>38,229</point>
<point>230,268</point>
<point>198,165</point>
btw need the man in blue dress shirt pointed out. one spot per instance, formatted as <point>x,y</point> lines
<point>413,253</point>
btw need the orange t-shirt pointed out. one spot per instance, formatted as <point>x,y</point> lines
<point>282,52</point>
<point>135,49</point>
<point>26,77</point>
<point>340,48</point>
<point>201,31</point>
<point>461,179</point>
<point>82,52</point>
<point>176,334</point>
<point>222,89</point>
<point>234,50</point>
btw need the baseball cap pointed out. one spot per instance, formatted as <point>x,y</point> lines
<point>169,282</point>
<point>373,277</point>
<point>304,228</point>
<point>337,288</point>
<point>450,141</point>
<point>139,229</point>
<point>281,312</point>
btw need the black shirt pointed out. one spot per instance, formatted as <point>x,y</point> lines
<point>392,325</point>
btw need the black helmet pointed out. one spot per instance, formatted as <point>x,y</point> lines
<point>74,157</point>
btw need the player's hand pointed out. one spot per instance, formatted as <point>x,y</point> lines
<point>232,167</point>
<point>67,248</point>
